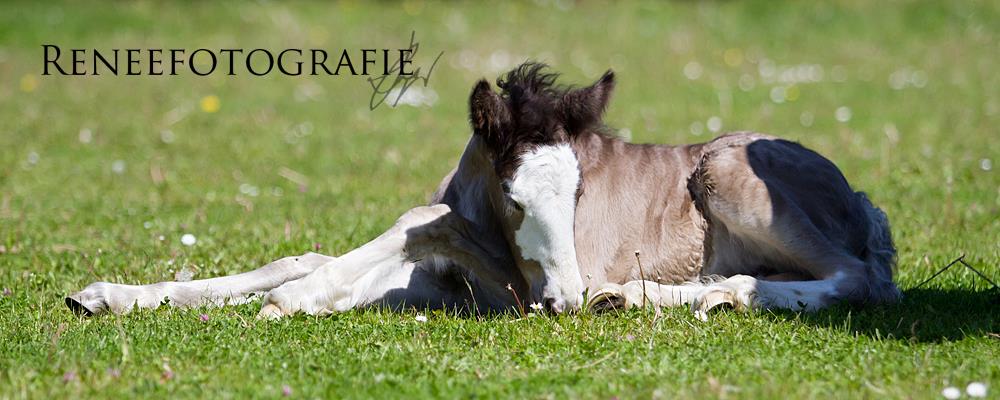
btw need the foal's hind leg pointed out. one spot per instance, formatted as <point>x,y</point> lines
<point>745,292</point>
<point>101,297</point>
<point>792,249</point>
<point>770,217</point>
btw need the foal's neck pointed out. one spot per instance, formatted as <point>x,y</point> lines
<point>635,198</point>
<point>600,154</point>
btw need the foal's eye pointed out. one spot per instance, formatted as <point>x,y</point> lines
<point>505,186</point>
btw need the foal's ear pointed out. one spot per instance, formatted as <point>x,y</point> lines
<point>487,112</point>
<point>585,106</point>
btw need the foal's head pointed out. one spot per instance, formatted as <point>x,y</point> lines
<point>528,129</point>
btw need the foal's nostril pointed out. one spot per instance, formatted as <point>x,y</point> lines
<point>554,306</point>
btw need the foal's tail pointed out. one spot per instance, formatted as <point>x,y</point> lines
<point>879,255</point>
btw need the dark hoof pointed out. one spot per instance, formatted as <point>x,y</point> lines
<point>78,307</point>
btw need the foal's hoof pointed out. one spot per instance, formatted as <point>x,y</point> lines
<point>607,301</point>
<point>270,312</point>
<point>76,306</point>
<point>733,294</point>
<point>714,300</point>
<point>96,298</point>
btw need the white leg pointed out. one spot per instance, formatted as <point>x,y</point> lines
<point>745,292</point>
<point>338,288</point>
<point>338,285</point>
<point>101,297</point>
<point>386,266</point>
<point>639,293</point>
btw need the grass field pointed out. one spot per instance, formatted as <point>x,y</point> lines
<point>101,176</point>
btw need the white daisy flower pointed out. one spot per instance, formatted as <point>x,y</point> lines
<point>976,389</point>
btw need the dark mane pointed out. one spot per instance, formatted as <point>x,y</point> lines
<point>530,84</point>
<point>532,109</point>
<point>532,97</point>
<point>530,79</point>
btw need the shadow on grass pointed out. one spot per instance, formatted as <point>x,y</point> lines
<point>923,315</point>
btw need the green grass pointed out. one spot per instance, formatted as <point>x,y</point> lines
<point>67,218</point>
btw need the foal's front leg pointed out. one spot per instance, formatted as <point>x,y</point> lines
<point>639,293</point>
<point>366,274</point>
<point>101,297</point>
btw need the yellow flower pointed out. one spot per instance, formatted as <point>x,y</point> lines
<point>29,83</point>
<point>792,93</point>
<point>210,104</point>
<point>733,57</point>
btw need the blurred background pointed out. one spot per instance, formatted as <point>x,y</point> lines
<point>905,102</point>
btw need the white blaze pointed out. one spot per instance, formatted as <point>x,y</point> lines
<point>545,185</point>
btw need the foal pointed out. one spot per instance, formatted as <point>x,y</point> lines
<point>545,204</point>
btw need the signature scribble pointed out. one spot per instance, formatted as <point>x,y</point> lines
<point>383,85</point>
